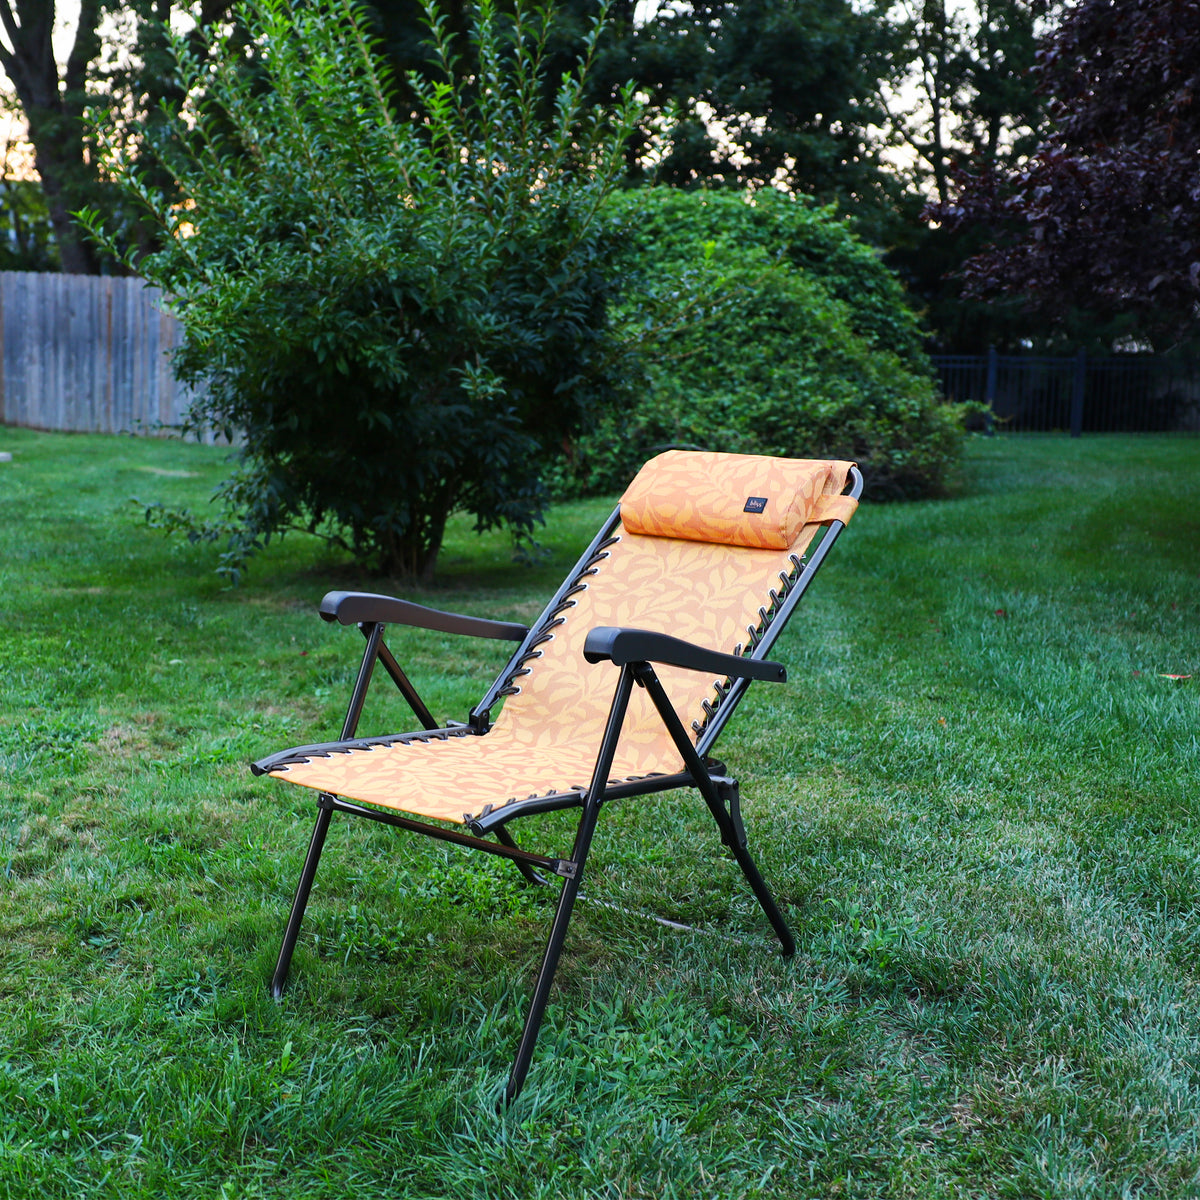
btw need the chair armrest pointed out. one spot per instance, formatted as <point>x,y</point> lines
<point>351,608</point>
<point>623,646</point>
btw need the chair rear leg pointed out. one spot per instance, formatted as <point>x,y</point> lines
<point>727,790</point>
<point>724,802</point>
<point>300,901</point>
<point>765,899</point>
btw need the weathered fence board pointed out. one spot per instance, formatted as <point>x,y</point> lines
<point>87,354</point>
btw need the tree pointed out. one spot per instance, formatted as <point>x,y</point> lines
<point>967,102</point>
<point>1106,215</point>
<point>394,318</point>
<point>53,108</point>
<point>766,91</point>
<point>969,95</point>
<point>25,231</point>
<point>798,342</point>
<point>129,78</point>
<point>739,92</point>
<point>873,105</point>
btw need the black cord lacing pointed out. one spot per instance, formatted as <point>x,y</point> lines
<point>556,616</point>
<point>754,633</point>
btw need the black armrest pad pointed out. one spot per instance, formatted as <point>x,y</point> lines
<point>640,645</point>
<point>349,608</point>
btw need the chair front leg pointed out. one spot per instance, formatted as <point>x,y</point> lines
<point>358,695</point>
<point>571,885</point>
<point>300,901</point>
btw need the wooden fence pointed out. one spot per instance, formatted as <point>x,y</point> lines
<point>87,354</point>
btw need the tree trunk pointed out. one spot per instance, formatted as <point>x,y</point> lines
<point>54,111</point>
<point>412,555</point>
<point>58,157</point>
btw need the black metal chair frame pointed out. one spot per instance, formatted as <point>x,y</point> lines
<point>635,652</point>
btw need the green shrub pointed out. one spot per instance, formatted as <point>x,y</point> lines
<point>394,318</point>
<point>667,227</point>
<point>775,331</point>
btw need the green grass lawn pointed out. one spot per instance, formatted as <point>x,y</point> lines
<point>977,797</point>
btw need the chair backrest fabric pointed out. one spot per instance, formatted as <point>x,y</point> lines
<point>709,592</point>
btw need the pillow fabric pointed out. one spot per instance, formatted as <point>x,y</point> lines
<point>732,499</point>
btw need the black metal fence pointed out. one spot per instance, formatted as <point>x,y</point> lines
<point>1131,393</point>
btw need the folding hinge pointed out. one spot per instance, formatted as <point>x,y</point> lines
<point>641,672</point>
<point>564,867</point>
<point>731,797</point>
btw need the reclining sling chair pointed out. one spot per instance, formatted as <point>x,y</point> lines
<point>619,689</point>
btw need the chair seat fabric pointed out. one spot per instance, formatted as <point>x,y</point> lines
<point>457,778</point>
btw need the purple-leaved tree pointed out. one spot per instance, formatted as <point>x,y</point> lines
<point>1105,216</point>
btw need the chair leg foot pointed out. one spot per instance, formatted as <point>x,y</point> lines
<point>300,902</point>
<point>765,899</point>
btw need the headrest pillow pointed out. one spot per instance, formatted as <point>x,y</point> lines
<point>733,499</point>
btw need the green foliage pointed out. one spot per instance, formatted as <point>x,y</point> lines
<point>736,91</point>
<point>393,318</point>
<point>26,235</point>
<point>666,228</point>
<point>794,340</point>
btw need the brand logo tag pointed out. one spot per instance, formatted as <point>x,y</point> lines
<point>755,504</point>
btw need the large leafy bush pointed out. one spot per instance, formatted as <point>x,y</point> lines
<point>392,318</point>
<point>778,332</point>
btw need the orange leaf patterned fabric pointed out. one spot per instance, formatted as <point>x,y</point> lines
<point>731,499</point>
<point>546,737</point>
